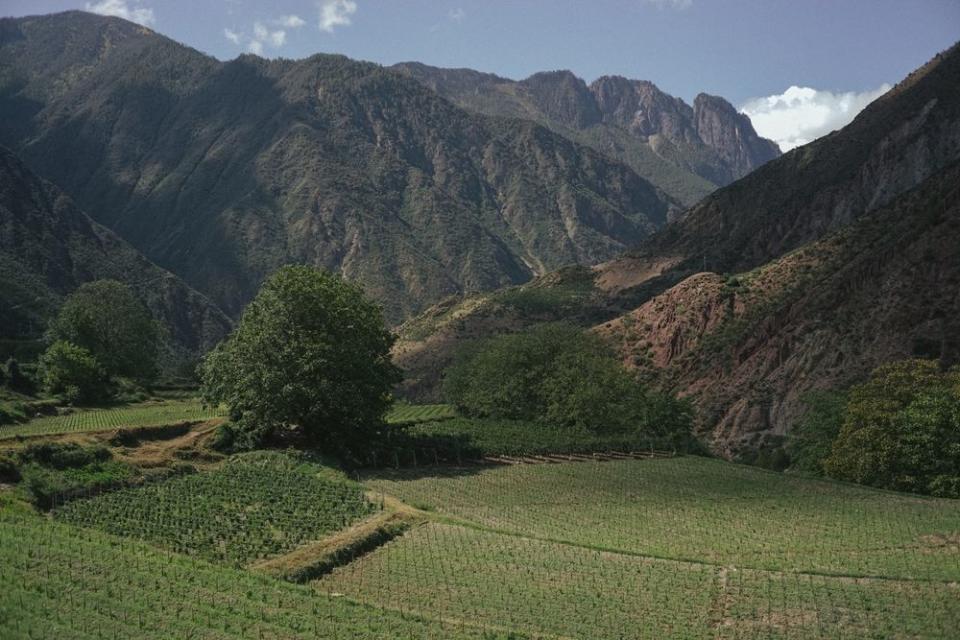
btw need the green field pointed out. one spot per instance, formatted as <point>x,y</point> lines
<point>61,581</point>
<point>413,413</point>
<point>252,507</point>
<point>681,547</point>
<point>148,414</point>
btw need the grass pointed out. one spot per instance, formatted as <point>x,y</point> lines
<point>531,586</point>
<point>403,413</point>
<point>138,415</point>
<point>252,507</point>
<point>62,581</point>
<point>680,548</point>
<point>701,510</point>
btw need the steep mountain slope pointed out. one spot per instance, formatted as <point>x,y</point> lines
<point>49,247</point>
<point>686,151</point>
<point>748,347</point>
<point>847,247</point>
<point>222,172</point>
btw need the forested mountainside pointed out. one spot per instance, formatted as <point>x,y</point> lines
<point>808,272</point>
<point>49,247</point>
<point>688,151</point>
<point>223,171</point>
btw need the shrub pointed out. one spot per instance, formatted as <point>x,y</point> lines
<point>63,455</point>
<point>16,379</point>
<point>74,373</point>
<point>8,470</point>
<point>310,352</point>
<point>901,430</point>
<point>811,440</point>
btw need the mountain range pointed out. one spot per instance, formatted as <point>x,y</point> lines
<point>686,151</point>
<point>807,273</point>
<point>471,205</point>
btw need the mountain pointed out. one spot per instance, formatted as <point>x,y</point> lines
<point>686,151</point>
<point>49,247</point>
<point>807,273</point>
<point>223,171</point>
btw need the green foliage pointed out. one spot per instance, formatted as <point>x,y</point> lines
<point>8,470</point>
<point>811,440</point>
<point>474,437</point>
<point>901,430</point>
<point>74,373</point>
<point>16,379</point>
<point>106,318</point>
<point>53,473</point>
<point>57,455</point>
<point>559,375</point>
<point>311,352</point>
<point>146,414</point>
<point>253,506</point>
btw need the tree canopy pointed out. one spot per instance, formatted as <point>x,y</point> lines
<point>559,375</point>
<point>113,325</point>
<point>309,352</point>
<point>901,430</point>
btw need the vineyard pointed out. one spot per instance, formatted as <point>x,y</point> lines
<point>61,581</point>
<point>413,413</point>
<point>678,547</point>
<point>252,507</point>
<point>147,414</point>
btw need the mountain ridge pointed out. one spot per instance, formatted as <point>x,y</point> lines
<point>49,247</point>
<point>703,146</point>
<point>222,172</point>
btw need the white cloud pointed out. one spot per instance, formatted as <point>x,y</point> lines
<point>801,114</point>
<point>290,22</point>
<point>275,39</point>
<point>671,4</point>
<point>131,10</point>
<point>231,35</point>
<point>335,13</point>
<point>255,46</point>
<point>457,15</point>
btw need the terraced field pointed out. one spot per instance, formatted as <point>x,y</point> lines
<point>147,414</point>
<point>62,581</point>
<point>252,507</point>
<point>683,547</point>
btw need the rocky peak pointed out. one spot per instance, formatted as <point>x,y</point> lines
<point>643,109</point>
<point>564,97</point>
<point>731,134</point>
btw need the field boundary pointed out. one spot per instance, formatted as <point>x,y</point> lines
<point>316,559</point>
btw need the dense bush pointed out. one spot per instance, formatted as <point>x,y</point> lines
<point>72,372</point>
<point>901,430</point>
<point>812,438</point>
<point>54,472</point>
<point>16,379</point>
<point>559,375</point>
<point>310,352</point>
<point>108,320</point>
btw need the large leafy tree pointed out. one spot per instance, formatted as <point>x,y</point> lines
<point>558,374</point>
<point>310,352</point>
<point>901,430</point>
<point>113,325</point>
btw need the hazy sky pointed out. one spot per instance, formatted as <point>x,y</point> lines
<point>799,68</point>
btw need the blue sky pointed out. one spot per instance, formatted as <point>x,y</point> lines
<point>844,51</point>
